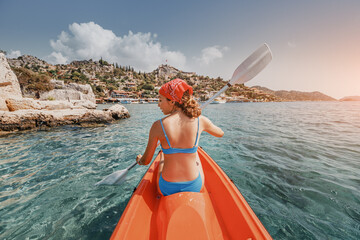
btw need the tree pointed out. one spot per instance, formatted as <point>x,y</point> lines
<point>148,86</point>
<point>111,88</point>
<point>103,62</point>
<point>99,88</point>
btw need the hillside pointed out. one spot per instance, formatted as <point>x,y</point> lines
<point>350,98</point>
<point>105,78</point>
<point>296,95</point>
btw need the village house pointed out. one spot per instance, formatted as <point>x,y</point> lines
<point>125,94</point>
<point>130,85</point>
<point>97,82</point>
<point>119,94</point>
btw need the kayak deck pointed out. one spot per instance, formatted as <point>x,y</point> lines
<point>219,211</point>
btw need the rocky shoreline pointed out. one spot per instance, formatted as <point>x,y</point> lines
<point>43,119</point>
<point>18,113</point>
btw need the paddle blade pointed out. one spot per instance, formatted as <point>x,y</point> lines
<point>256,62</point>
<point>114,178</point>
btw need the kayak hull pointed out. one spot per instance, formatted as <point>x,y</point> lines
<point>219,211</point>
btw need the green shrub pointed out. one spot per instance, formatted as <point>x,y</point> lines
<point>29,80</point>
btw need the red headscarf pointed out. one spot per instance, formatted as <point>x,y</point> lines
<point>174,90</point>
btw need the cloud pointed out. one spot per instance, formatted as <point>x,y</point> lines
<point>91,41</point>
<point>57,58</point>
<point>211,54</point>
<point>13,54</point>
<point>291,44</point>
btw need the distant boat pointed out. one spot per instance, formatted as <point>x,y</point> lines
<point>124,100</point>
<point>153,100</point>
<point>218,101</point>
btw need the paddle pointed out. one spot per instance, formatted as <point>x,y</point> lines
<point>247,70</point>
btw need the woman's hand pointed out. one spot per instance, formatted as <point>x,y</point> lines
<point>138,159</point>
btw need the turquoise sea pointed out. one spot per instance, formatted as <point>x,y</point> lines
<point>297,164</point>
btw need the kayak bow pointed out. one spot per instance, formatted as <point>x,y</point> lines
<point>219,211</point>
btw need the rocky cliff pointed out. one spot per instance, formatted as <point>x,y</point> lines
<point>74,104</point>
<point>167,72</point>
<point>30,62</point>
<point>9,85</point>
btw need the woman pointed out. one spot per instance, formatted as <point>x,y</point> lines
<point>180,168</point>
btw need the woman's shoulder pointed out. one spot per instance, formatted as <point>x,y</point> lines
<point>206,122</point>
<point>164,119</point>
<point>202,118</point>
<point>156,125</point>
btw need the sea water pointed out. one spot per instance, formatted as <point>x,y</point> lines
<point>297,165</point>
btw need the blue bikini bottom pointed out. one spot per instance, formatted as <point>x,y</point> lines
<point>168,188</point>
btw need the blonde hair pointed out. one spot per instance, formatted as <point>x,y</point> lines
<point>189,105</point>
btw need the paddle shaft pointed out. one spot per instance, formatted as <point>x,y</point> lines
<point>132,165</point>
<point>215,96</point>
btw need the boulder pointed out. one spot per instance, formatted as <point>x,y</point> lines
<point>58,84</point>
<point>83,104</point>
<point>15,104</point>
<point>61,95</point>
<point>9,84</point>
<point>55,105</point>
<point>118,111</point>
<point>71,91</point>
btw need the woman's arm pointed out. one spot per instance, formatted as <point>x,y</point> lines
<point>151,146</point>
<point>211,128</point>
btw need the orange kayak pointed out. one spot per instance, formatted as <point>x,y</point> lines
<point>219,211</point>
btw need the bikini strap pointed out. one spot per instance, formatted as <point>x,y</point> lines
<point>165,133</point>
<point>197,134</point>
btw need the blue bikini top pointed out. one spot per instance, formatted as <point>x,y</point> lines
<point>180,150</point>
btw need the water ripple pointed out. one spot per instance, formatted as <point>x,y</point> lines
<point>297,164</point>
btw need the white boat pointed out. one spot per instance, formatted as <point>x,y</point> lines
<point>218,101</point>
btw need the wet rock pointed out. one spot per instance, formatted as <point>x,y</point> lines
<point>118,111</point>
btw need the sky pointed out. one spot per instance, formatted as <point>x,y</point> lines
<point>315,44</point>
